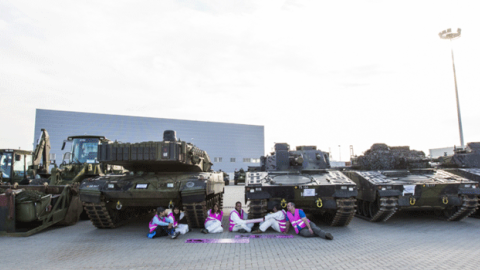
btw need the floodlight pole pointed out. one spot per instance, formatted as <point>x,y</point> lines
<point>448,34</point>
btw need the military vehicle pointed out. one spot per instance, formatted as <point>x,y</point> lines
<point>21,166</point>
<point>465,163</point>
<point>80,163</point>
<point>163,173</point>
<point>26,209</point>
<point>301,176</point>
<point>397,178</point>
<point>226,178</point>
<point>239,176</point>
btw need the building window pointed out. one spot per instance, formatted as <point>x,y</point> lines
<point>232,159</point>
<point>217,159</point>
<point>247,160</point>
<point>255,160</point>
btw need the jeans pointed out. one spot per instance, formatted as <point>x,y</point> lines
<point>164,231</point>
<point>316,231</point>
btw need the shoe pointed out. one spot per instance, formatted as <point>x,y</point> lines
<point>205,231</point>
<point>175,235</point>
<point>257,231</point>
<point>242,231</point>
<point>151,235</point>
<point>328,236</point>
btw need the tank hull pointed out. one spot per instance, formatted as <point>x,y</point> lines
<point>382,193</point>
<point>192,191</point>
<point>328,194</point>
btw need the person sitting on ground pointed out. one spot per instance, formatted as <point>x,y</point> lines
<point>237,220</point>
<point>302,225</point>
<point>160,225</point>
<point>213,223</point>
<point>276,220</point>
<point>178,217</point>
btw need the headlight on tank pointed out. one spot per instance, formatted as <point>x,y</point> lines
<point>170,185</point>
<point>350,189</point>
<point>343,187</point>
<point>258,189</point>
<point>111,186</point>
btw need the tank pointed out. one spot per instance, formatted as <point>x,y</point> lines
<point>464,163</point>
<point>162,173</point>
<point>239,176</point>
<point>390,179</point>
<point>302,176</point>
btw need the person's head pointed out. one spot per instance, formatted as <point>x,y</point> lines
<point>276,208</point>
<point>176,210</point>
<point>215,208</point>
<point>238,206</point>
<point>291,207</point>
<point>161,211</point>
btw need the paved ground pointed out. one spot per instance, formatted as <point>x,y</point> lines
<point>406,241</point>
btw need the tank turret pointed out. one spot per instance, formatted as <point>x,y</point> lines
<point>383,157</point>
<point>169,155</point>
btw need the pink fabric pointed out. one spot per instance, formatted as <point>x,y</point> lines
<point>213,216</point>
<point>232,224</point>
<point>283,223</point>
<point>295,220</point>
<point>175,223</point>
<point>152,226</point>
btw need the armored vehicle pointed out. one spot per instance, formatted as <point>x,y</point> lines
<point>26,209</point>
<point>239,176</point>
<point>226,178</point>
<point>397,178</point>
<point>163,173</point>
<point>303,177</point>
<point>464,163</point>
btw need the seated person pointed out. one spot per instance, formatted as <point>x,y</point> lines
<point>276,220</point>
<point>237,220</point>
<point>213,223</point>
<point>161,225</point>
<point>302,225</point>
<point>178,217</point>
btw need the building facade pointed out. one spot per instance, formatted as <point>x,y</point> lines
<point>230,146</point>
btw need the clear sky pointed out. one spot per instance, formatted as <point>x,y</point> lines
<point>323,73</point>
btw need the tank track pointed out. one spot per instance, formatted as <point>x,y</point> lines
<point>344,213</point>
<point>196,213</point>
<point>387,208</point>
<point>469,206</point>
<point>100,216</point>
<point>257,209</point>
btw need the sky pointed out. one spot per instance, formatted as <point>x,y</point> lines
<point>325,73</point>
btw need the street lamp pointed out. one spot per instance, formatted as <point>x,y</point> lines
<point>448,34</point>
<point>339,154</point>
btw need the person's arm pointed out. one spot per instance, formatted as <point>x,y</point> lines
<point>159,222</point>
<point>287,227</point>
<point>308,225</point>
<point>237,220</point>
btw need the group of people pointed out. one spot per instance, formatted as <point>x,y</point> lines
<point>280,221</point>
